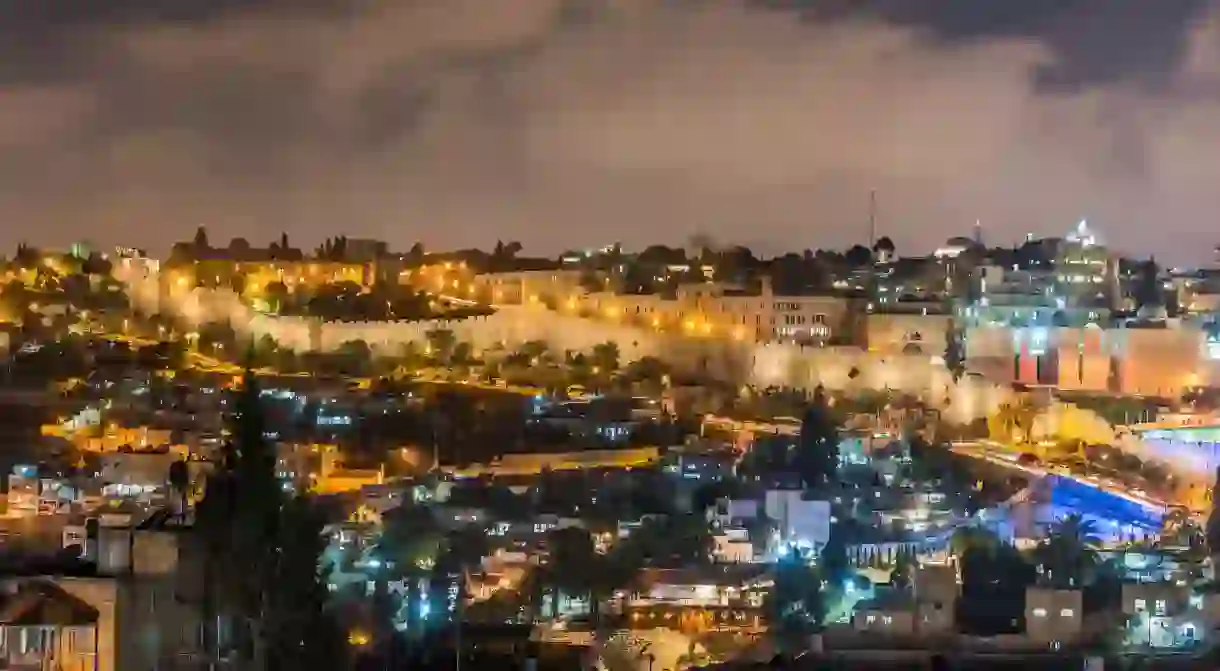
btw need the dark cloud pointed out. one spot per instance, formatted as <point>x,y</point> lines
<point>65,39</point>
<point>568,122</point>
<point>1093,42</point>
<point>56,16</point>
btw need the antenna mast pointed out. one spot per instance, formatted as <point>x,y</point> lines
<point>872,218</point>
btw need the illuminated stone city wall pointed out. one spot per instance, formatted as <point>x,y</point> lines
<point>849,369</point>
<point>762,365</point>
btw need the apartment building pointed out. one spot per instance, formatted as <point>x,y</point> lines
<point>727,311</point>
<point>553,287</point>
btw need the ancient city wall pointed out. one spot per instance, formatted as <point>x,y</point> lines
<point>763,365</point>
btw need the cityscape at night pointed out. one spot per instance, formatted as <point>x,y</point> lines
<point>609,334</point>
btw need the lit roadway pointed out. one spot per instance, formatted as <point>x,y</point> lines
<point>996,454</point>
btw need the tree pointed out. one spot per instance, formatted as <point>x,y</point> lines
<point>832,561</point>
<point>258,549</point>
<point>994,578</point>
<point>817,457</point>
<point>264,560</point>
<point>647,370</point>
<point>417,253</point>
<point>410,544</point>
<point>1148,291</point>
<point>463,353</point>
<point>179,478</point>
<point>572,566</point>
<point>1068,555</point>
<point>355,357</point>
<point>535,351</point>
<point>673,540</point>
<point>441,343</point>
<point>605,357</point>
<point>201,238</point>
<point>955,356</point>
<point>264,351</point>
<point>858,256</point>
<point>884,248</point>
<point>505,252</point>
<point>795,606</point>
<point>967,539</point>
<point>1212,530</point>
<point>901,576</point>
<point>276,294</point>
<point>301,630</point>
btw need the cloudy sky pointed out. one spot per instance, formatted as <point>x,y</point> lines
<point>571,123</point>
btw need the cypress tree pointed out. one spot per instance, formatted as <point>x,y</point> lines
<point>1212,531</point>
<point>262,550</point>
<point>817,457</point>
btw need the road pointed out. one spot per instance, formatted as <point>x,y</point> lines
<point>996,454</point>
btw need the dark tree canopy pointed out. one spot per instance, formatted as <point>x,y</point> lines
<point>817,457</point>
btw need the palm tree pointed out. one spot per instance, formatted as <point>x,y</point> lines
<point>1069,555</point>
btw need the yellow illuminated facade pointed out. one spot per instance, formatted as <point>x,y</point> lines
<point>253,277</point>
<point>714,310</point>
<point>536,287</point>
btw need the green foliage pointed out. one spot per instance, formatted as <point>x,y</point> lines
<point>605,358</point>
<point>1068,555</point>
<point>832,562</point>
<point>441,343</point>
<point>1212,529</point>
<point>301,631</point>
<point>796,604</point>
<point>670,540</point>
<point>817,457</point>
<point>261,551</point>
<point>574,567</point>
<point>955,355</point>
<point>904,566</point>
<point>534,351</point>
<point>1148,290</point>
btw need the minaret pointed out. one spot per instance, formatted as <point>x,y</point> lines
<point>978,232</point>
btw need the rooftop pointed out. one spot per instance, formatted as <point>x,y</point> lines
<point>42,602</point>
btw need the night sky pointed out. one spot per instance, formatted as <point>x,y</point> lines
<point>574,123</point>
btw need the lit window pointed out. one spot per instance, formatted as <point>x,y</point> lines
<point>1141,605</point>
<point>1039,612</point>
<point>1160,607</point>
<point>1066,612</point>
